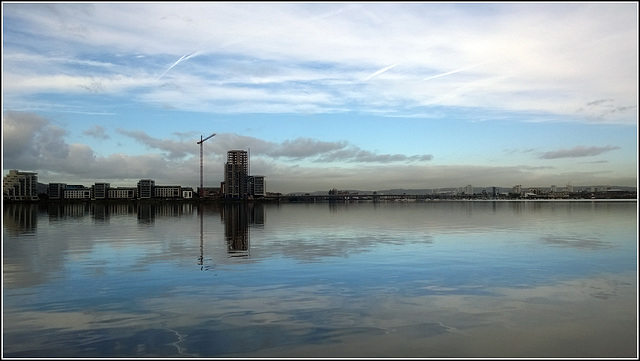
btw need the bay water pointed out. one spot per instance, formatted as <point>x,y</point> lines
<point>397,279</point>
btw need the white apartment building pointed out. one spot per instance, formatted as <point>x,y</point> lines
<point>20,186</point>
<point>122,193</point>
<point>187,194</point>
<point>167,191</point>
<point>76,192</point>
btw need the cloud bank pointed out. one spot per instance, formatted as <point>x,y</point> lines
<point>577,152</point>
<point>34,143</point>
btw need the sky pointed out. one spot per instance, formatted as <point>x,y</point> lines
<point>324,95</point>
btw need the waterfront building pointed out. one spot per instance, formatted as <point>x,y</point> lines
<point>123,193</point>
<point>100,190</point>
<point>20,186</point>
<point>236,173</point>
<point>187,192</point>
<point>256,186</point>
<point>210,192</point>
<point>56,190</point>
<point>76,191</point>
<point>167,192</point>
<point>145,188</point>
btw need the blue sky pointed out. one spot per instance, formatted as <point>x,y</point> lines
<point>324,95</point>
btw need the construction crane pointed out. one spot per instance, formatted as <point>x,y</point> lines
<point>201,193</point>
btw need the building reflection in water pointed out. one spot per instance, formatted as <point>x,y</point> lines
<point>20,219</point>
<point>238,218</point>
<point>63,211</point>
<point>147,212</point>
<point>100,213</point>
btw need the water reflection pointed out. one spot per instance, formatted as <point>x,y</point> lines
<point>100,212</point>
<point>63,211</point>
<point>147,212</point>
<point>238,218</point>
<point>586,242</point>
<point>457,279</point>
<point>236,229</point>
<point>20,220</point>
<point>201,258</point>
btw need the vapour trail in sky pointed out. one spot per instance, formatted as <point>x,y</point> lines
<point>451,72</point>
<point>380,72</point>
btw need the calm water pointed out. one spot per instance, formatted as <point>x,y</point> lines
<point>439,279</point>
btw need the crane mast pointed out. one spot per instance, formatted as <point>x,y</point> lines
<point>201,193</point>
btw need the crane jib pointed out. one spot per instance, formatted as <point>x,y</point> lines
<point>205,138</point>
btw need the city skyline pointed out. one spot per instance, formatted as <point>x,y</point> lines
<point>323,95</point>
<point>468,189</point>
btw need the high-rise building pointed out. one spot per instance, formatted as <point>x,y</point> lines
<point>20,186</point>
<point>236,174</point>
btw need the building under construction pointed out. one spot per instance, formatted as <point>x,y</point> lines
<point>238,184</point>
